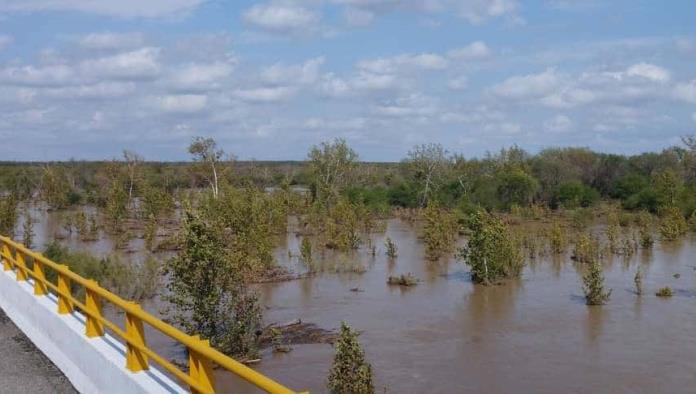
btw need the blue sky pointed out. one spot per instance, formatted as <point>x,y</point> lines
<point>85,79</point>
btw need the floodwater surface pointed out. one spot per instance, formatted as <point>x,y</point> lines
<point>447,335</point>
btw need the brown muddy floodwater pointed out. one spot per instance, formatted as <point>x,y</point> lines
<point>447,335</point>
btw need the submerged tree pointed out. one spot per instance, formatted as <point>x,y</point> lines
<point>350,372</point>
<point>492,252</point>
<point>638,280</point>
<point>207,292</point>
<point>593,285</point>
<point>133,160</point>
<point>28,230</point>
<point>439,231</point>
<point>331,165</point>
<point>206,152</point>
<point>8,214</point>
<point>428,164</point>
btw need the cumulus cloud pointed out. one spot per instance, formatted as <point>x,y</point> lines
<point>281,18</point>
<point>182,103</point>
<point>475,50</point>
<point>107,41</point>
<point>648,71</point>
<point>558,124</point>
<point>528,86</point>
<point>265,94</point>
<point>117,8</point>
<point>30,75</point>
<point>423,61</point>
<point>139,64</point>
<point>686,91</point>
<point>305,73</point>
<point>199,76</point>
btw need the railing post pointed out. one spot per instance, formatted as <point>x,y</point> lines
<point>201,368</point>
<point>40,288</point>
<point>6,256</point>
<point>21,266</point>
<point>94,327</point>
<point>65,305</point>
<point>136,360</point>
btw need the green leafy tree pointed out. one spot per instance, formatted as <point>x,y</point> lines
<point>207,292</point>
<point>331,165</point>
<point>206,153</point>
<point>439,231</point>
<point>428,166</point>
<point>492,251</point>
<point>350,372</point>
<point>593,285</point>
<point>516,187</point>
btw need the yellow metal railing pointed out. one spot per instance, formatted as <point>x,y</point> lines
<point>202,356</point>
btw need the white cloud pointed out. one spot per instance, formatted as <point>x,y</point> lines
<point>182,103</point>
<point>139,64</point>
<point>99,90</point>
<point>281,18</point>
<point>305,73</point>
<point>686,91</point>
<point>265,94</point>
<point>200,76</point>
<point>693,117</point>
<point>111,40</point>
<point>117,8</point>
<point>5,40</point>
<point>49,75</point>
<point>423,61</point>
<point>528,86</point>
<point>478,11</point>
<point>475,50</point>
<point>558,124</point>
<point>458,83</point>
<point>648,71</point>
<point>408,106</point>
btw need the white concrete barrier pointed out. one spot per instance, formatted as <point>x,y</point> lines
<point>93,365</point>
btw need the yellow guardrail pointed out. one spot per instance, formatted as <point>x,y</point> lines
<point>200,378</point>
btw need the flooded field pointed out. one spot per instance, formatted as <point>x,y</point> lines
<point>447,335</point>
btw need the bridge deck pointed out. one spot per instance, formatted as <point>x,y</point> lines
<point>23,368</point>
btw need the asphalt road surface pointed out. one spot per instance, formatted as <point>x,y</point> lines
<point>23,368</point>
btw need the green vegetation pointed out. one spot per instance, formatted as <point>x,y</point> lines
<point>638,280</point>
<point>207,291</point>
<point>129,280</point>
<point>673,225</point>
<point>28,230</point>
<point>664,292</point>
<point>593,285</point>
<point>350,372</point>
<point>439,231</point>
<point>8,214</point>
<point>392,250</point>
<point>492,252</point>
<point>403,280</point>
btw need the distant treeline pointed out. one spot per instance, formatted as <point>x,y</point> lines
<point>555,177</point>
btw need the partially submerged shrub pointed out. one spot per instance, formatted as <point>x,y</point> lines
<point>127,279</point>
<point>492,252</point>
<point>350,372</point>
<point>586,249</point>
<point>673,225</point>
<point>557,238</point>
<point>8,214</point>
<point>207,292</point>
<point>306,250</point>
<point>28,230</point>
<point>664,292</point>
<point>638,280</point>
<point>403,280</point>
<point>439,231</point>
<point>392,250</point>
<point>593,285</point>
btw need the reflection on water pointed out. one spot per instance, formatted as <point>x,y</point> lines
<point>446,335</point>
